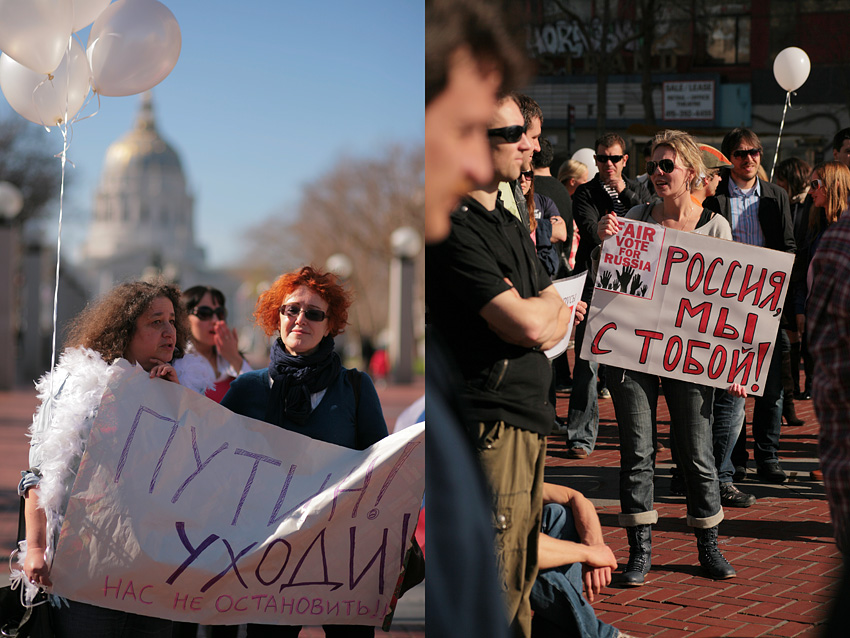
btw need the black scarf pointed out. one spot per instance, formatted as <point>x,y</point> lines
<point>296,378</point>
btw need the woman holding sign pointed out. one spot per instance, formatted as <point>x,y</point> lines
<point>305,389</point>
<point>145,324</point>
<point>674,170</point>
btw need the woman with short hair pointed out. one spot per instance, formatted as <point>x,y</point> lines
<point>306,389</point>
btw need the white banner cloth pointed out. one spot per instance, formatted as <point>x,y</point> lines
<point>184,510</point>
<point>687,306</point>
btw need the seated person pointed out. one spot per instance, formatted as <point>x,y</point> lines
<point>571,550</point>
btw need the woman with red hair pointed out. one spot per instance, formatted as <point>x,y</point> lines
<point>305,389</point>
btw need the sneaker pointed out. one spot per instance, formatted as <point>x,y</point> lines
<point>577,453</point>
<point>604,393</point>
<point>771,472</point>
<point>740,473</point>
<point>731,496</point>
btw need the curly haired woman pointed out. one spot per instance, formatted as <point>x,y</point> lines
<point>141,323</point>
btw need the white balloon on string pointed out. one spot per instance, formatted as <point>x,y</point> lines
<point>35,33</point>
<point>47,100</point>
<point>85,12</point>
<point>791,69</point>
<point>133,46</point>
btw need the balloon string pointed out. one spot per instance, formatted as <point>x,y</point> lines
<point>779,139</point>
<point>64,130</point>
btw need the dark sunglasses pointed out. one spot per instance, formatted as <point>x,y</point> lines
<point>510,133</point>
<point>666,165</point>
<point>752,152</point>
<point>602,159</point>
<point>292,310</point>
<point>205,312</point>
<point>816,184</point>
<point>527,174</point>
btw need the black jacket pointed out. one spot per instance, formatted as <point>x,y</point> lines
<point>774,213</point>
<point>590,202</point>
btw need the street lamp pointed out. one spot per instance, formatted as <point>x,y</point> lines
<point>11,203</point>
<point>406,244</point>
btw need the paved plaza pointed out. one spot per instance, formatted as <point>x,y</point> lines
<point>781,547</point>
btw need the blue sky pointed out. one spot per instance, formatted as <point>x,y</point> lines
<point>265,97</point>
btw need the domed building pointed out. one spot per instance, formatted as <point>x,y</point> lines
<point>142,218</point>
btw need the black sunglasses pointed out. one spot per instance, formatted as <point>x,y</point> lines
<point>205,312</point>
<point>602,159</point>
<point>816,184</point>
<point>527,174</point>
<point>752,152</point>
<point>510,133</point>
<point>666,165</point>
<point>292,310</point>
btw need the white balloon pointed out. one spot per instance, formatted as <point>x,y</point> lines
<point>791,68</point>
<point>43,99</point>
<point>585,156</point>
<point>85,12</point>
<point>133,45</point>
<point>35,32</point>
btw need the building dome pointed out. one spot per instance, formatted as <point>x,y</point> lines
<point>141,149</point>
<point>143,212</point>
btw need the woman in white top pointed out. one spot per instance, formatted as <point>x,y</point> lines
<point>212,338</point>
<point>674,170</point>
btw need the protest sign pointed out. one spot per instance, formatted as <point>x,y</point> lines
<point>183,510</point>
<point>570,290</point>
<point>687,306</point>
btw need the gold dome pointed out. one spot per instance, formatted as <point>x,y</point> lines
<point>142,147</point>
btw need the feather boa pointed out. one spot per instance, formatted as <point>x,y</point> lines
<point>70,396</point>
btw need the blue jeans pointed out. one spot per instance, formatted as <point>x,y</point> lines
<point>767,412</point>
<point>635,396</point>
<point>559,608</point>
<point>81,619</point>
<point>727,422</point>
<point>583,416</point>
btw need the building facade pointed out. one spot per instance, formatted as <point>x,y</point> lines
<point>701,65</point>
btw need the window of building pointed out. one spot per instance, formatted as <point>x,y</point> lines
<point>722,39</point>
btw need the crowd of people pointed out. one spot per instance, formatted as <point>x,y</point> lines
<point>492,314</point>
<point>184,338</point>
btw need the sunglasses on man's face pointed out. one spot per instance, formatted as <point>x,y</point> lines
<point>666,165</point>
<point>511,134</point>
<point>204,313</point>
<point>292,310</point>
<point>752,152</point>
<point>816,184</point>
<point>604,159</point>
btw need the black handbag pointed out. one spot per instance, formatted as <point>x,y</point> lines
<point>17,620</point>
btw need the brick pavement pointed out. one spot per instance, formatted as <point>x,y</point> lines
<point>16,410</point>
<point>782,547</point>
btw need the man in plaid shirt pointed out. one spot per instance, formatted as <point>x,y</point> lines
<point>828,315</point>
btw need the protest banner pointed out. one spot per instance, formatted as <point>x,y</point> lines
<point>183,510</point>
<point>683,305</point>
<point>570,290</point>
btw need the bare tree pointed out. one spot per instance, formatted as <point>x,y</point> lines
<point>352,209</point>
<point>26,162</point>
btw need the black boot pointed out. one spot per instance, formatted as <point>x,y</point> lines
<point>712,561</point>
<point>640,555</point>
<point>788,410</point>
